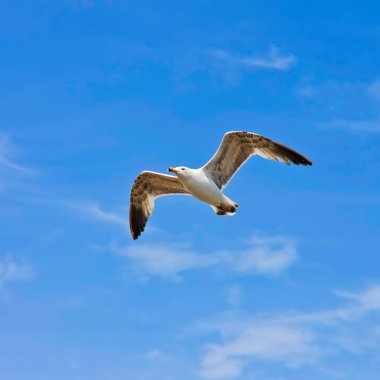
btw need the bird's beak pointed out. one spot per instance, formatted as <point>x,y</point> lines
<point>173,170</point>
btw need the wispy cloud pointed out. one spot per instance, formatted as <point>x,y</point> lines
<point>7,151</point>
<point>162,260</point>
<point>273,342</point>
<point>259,255</point>
<point>234,295</point>
<point>348,106</point>
<point>293,339</point>
<point>12,271</point>
<point>273,59</point>
<point>94,211</point>
<point>365,126</point>
<point>331,91</point>
<point>374,89</point>
<point>265,255</point>
<point>156,355</point>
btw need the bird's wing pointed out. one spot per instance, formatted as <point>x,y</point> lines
<point>237,147</point>
<point>147,187</point>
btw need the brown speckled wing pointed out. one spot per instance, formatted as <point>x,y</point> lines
<point>237,147</point>
<point>146,187</point>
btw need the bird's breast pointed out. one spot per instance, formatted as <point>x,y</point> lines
<point>203,189</point>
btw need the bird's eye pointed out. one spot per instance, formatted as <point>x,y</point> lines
<point>183,169</point>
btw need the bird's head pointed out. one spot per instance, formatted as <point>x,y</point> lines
<point>179,171</point>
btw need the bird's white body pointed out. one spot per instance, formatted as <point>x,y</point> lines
<point>201,186</point>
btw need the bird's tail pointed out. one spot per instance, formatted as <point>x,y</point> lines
<point>227,207</point>
<point>222,211</point>
<point>231,203</point>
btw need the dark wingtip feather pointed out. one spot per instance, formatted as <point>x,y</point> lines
<point>136,221</point>
<point>295,157</point>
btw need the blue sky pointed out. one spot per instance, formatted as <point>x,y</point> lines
<point>92,93</point>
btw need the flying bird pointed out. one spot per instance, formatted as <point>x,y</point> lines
<point>206,183</point>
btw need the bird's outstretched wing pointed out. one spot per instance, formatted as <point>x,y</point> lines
<point>147,187</point>
<point>237,147</point>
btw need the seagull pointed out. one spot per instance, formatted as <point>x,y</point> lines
<point>206,183</point>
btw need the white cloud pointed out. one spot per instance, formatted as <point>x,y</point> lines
<point>7,151</point>
<point>157,355</point>
<point>260,255</point>
<point>265,341</point>
<point>153,354</point>
<point>234,295</point>
<point>365,126</point>
<point>166,261</point>
<point>342,102</point>
<point>366,300</point>
<point>265,255</point>
<point>374,89</point>
<point>292,340</point>
<point>11,271</point>
<point>306,90</point>
<point>272,60</point>
<point>93,210</point>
